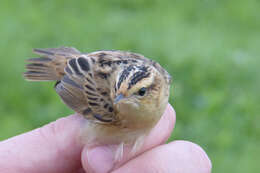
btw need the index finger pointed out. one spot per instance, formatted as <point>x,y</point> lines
<point>51,148</point>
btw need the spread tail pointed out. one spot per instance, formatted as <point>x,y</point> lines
<point>50,66</point>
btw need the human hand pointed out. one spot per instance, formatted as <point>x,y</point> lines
<point>55,148</point>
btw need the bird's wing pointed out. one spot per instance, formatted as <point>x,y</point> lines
<point>86,88</point>
<point>81,86</point>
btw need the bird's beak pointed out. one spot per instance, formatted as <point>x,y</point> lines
<point>118,98</point>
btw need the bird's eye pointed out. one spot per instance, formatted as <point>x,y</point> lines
<point>142,91</point>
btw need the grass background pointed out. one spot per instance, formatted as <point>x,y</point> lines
<point>211,48</point>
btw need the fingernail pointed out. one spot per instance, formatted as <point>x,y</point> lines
<point>101,159</point>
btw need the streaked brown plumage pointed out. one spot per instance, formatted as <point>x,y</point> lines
<point>121,94</point>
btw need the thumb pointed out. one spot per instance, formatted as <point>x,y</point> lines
<point>101,159</point>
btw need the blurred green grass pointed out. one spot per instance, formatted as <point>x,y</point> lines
<point>211,48</point>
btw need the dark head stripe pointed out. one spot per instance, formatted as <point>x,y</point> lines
<point>139,75</point>
<point>124,75</point>
<point>83,63</point>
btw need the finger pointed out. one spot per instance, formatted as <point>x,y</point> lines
<point>101,159</point>
<point>51,148</point>
<point>175,157</point>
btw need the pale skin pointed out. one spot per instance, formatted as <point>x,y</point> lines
<point>55,148</point>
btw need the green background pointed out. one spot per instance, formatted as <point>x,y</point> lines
<point>210,47</point>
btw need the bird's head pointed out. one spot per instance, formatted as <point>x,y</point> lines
<point>141,95</point>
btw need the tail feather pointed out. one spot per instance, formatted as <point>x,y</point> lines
<point>50,66</point>
<point>42,69</point>
<point>33,60</point>
<point>63,51</point>
<point>38,76</point>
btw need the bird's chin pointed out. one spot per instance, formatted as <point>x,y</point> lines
<point>127,107</point>
<point>133,116</point>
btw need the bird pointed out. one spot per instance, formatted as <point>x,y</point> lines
<point>121,94</point>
